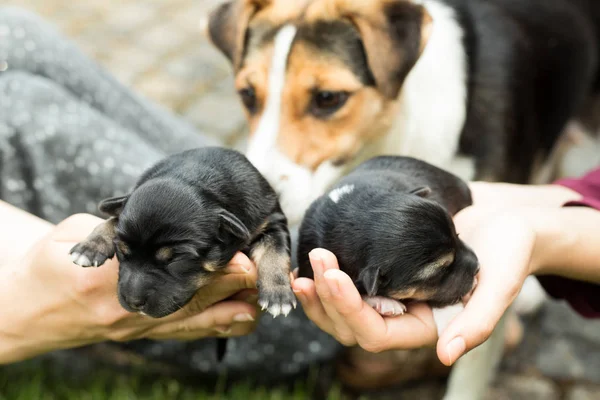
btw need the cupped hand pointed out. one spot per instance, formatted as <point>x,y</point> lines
<point>503,243</point>
<point>60,305</point>
<point>334,304</point>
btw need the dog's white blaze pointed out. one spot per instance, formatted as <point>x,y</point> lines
<point>268,126</point>
<point>297,186</point>
<point>433,101</point>
<point>336,194</point>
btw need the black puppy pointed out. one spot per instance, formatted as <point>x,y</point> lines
<point>183,222</point>
<point>389,224</point>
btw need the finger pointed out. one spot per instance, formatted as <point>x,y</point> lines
<point>322,261</point>
<point>475,324</point>
<point>306,293</point>
<point>249,296</point>
<point>500,280</point>
<point>210,322</point>
<point>372,331</point>
<point>240,264</point>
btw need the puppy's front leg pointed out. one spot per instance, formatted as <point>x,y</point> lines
<point>271,254</point>
<point>97,247</point>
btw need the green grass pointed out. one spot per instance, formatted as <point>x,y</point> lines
<point>41,381</point>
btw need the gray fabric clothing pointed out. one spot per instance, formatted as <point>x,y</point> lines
<point>71,135</point>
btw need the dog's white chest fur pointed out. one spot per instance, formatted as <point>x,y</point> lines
<point>433,101</point>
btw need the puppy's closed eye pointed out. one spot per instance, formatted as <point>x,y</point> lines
<point>164,254</point>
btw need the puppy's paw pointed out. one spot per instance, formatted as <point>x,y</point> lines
<point>277,300</point>
<point>92,253</point>
<point>385,306</point>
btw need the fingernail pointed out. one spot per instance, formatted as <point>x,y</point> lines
<point>455,349</point>
<point>243,318</point>
<point>317,264</point>
<point>223,330</point>
<point>244,268</point>
<point>333,285</point>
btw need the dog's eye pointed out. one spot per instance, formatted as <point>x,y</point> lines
<point>325,102</point>
<point>248,96</point>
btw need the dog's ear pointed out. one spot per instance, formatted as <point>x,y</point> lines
<point>113,206</point>
<point>369,277</point>
<point>228,27</point>
<point>394,34</point>
<point>423,191</point>
<point>231,227</point>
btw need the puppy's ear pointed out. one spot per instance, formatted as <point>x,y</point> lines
<point>369,277</point>
<point>394,35</point>
<point>231,227</point>
<point>422,191</point>
<point>113,206</point>
<point>228,26</point>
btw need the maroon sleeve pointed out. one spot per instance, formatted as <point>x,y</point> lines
<point>582,296</point>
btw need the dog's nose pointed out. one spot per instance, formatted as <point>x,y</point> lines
<point>136,302</point>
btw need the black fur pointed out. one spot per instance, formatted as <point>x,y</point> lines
<point>532,64</point>
<point>203,206</point>
<point>394,222</point>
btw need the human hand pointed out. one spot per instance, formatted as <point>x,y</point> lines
<point>505,246</point>
<point>334,304</point>
<point>57,304</point>
<point>502,228</point>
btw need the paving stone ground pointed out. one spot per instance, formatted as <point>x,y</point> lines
<point>158,48</point>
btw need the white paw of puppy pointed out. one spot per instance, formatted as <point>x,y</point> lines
<point>385,306</point>
<point>278,300</point>
<point>87,254</point>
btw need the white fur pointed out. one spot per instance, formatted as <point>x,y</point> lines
<point>336,194</point>
<point>432,103</point>
<point>297,186</point>
<point>443,316</point>
<point>431,116</point>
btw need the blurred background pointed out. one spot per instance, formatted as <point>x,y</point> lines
<point>157,47</point>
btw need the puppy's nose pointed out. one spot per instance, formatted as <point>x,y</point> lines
<point>136,302</point>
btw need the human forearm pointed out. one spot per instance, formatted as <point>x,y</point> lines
<point>567,242</point>
<point>20,230</point>
<point>506,195</point>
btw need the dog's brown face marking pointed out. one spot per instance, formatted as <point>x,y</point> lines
<point>434,268</point>
<point>123,248</point>
<point>164,254</point>
<point>320,82</point>
<point>344,70</point>
<point>210,267</point>
<point>418,294</point>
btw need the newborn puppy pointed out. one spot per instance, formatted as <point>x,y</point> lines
<point>389,224</point>
<point>180,226</point>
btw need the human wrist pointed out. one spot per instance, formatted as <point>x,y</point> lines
<point>553,241</point>
<point>507,195</point>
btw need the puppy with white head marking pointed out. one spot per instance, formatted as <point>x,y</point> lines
<point>180,226</point>
<point>472,87</point>
<point>389,224</point>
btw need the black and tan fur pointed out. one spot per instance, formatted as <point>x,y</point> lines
<point>181,225</point>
